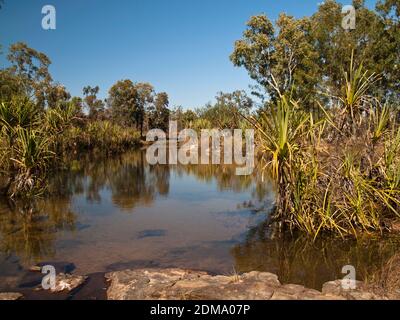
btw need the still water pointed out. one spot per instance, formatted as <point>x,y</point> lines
<point>119,213</point>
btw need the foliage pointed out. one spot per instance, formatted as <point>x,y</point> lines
<point>330,180</point>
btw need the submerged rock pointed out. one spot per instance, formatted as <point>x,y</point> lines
<point>10,296</point>
<point>178,284</point>
<point>68,282</point>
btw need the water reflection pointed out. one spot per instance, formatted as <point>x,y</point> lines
<point>299,260</point>
<point>105,214</point>
<point>29,229</point>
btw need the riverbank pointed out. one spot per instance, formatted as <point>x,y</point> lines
<point>181,284</point>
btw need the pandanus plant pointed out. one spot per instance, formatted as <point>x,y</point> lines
<point>280,128</point>
<point>358,82</point>
<point>31,158</point>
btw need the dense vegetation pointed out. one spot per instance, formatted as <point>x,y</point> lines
<point>326,116</point>
<point>327,121</point>
<point>40,122</point>
<point>329,132</point>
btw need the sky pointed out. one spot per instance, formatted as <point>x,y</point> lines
<point>182,47</point>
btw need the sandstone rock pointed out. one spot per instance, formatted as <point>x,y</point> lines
<point>178,284</point>
<point>68,282</point>
<point>10,296</point>
<point>361,291</point>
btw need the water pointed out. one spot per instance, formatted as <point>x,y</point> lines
<point>117,213</point>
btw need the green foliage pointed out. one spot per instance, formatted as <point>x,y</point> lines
<point>327,181</point>
<point>312,52</point>
<point>100,135</point>
<point>159,112</point>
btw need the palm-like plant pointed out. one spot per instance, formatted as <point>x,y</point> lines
<point>19,112</point>
<point>280,129</point>
<point>31,158</point>
<point>355,93</point>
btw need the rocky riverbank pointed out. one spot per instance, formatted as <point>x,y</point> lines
<point>179,284</point>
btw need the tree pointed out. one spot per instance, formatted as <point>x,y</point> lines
<point>310,55</point>
<point>56,95</point>
<point>145,93</point>
<point>94,106</point>
<point>32,69</point>
<point>159,112</point>
<point>226,112</point>
<point>285,55</point>
<point>389,11</point>
<point>122,101</point>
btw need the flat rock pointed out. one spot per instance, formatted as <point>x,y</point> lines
<point>361,291</point>
<point>179,284</point>
<point>66,282</point>
<point>10,296</point>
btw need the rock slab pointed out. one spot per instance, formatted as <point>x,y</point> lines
<point>179,284</point>
<point>10,296</point>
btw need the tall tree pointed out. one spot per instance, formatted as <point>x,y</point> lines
<point>278,57</point>
<point>145,93</point>
<point>226,112</point>
<point>159,112</point>
<point>313,52</point>
<point>94,106</point>
<point>57,94</point>
<point>32,68</point>
<point>122,100</point>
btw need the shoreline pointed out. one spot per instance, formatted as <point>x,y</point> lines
<point>182,284</point>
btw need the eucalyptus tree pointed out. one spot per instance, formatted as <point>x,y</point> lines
<point>32,69</point>
<point>159,112</point>
<point>94,105</point>
<point>122,102</point>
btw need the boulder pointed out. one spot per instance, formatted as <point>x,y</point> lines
<point>10,296</point>
<point>179,284</point>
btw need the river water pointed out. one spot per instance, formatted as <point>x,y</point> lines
<point>118,213</point>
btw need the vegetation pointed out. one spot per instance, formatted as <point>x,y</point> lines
<point>329,133</point>
<point>40,121</point>
<point>326,117</point>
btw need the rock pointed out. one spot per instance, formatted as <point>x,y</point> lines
<point>68,282</point>
<point>35,269</point>
<point>361,291</point>
<point>10,296</point>
<point>178,284</point>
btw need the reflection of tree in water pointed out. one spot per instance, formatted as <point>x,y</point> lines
<point>224,175</point>
<point>132,181</point>
<point>300,260</point>
<point>29,229</point>
<point>129,179</point>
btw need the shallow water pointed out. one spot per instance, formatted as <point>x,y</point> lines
<point>119,213</point>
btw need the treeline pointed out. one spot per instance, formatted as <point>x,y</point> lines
<point>328,133</point>
<point>40,121</point>
<point>308,56</point>
<point>128,104</point>
<point>227,112</point>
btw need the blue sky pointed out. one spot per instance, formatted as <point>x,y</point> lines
<point>180,46</point>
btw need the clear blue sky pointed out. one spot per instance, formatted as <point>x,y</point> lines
<point>180,46</point>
